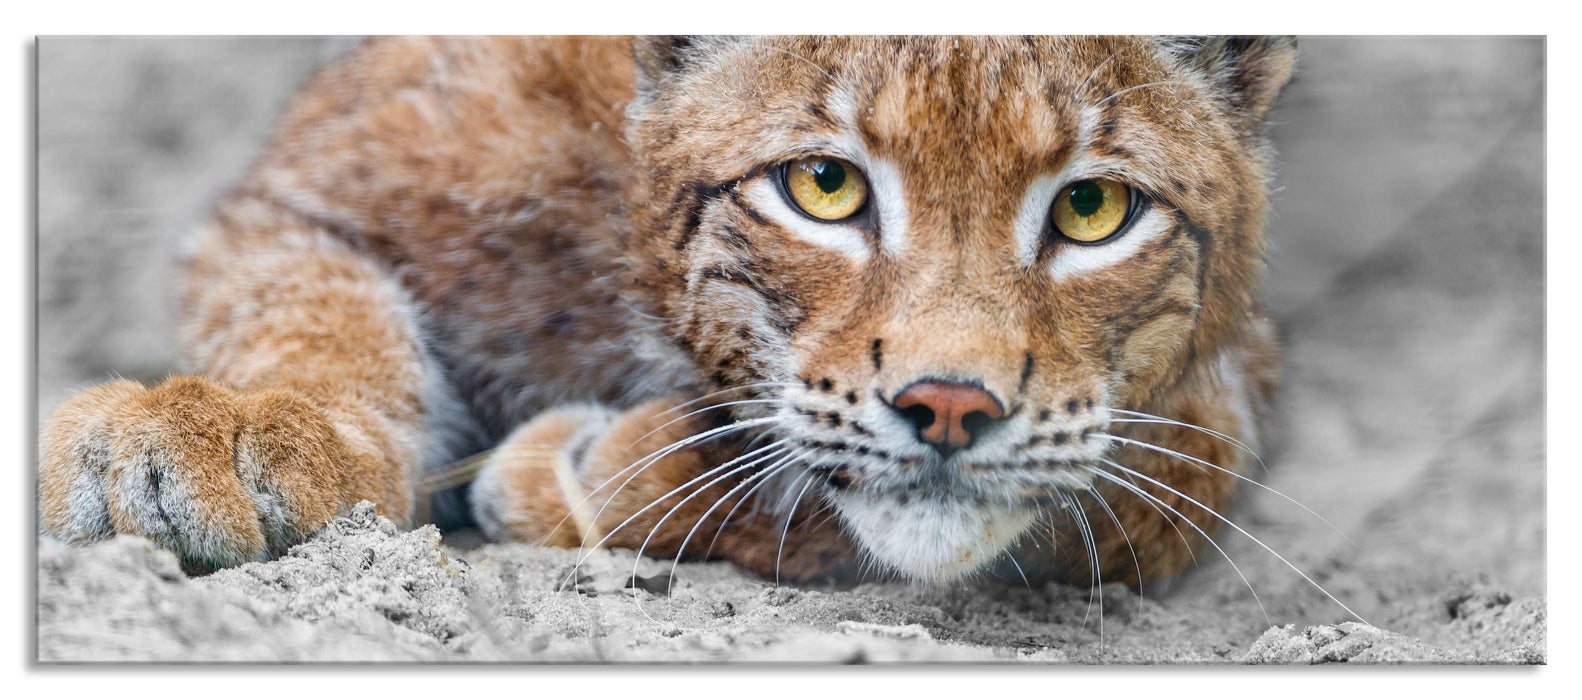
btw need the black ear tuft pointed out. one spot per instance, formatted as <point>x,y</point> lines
<point>658,55</point>
<point>1249,70</point>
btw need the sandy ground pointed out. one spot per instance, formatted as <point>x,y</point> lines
<point>361,590</point>
<point>1406,275</point>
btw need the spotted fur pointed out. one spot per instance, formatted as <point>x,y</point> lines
<point>449,238</point>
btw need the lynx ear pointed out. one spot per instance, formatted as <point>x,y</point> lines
<point>660,56</point>
<point>1248,70</point>
<point>656,56</point>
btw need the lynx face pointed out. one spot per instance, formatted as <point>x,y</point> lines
<point>939,264</point>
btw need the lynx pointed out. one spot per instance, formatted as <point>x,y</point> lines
<point>825,307</point>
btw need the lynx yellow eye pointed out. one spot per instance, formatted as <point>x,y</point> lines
<point>826,188</point>
<point>1091,210</point>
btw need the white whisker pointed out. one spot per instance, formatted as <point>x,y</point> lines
<point>764,477</point>
<point>1089,544</point>
<point>663,452</point>
<point>722,499</point>
<point>786,529</point>
<point>641,464</point>
<point>1018,565</point>
<point>1195,460</point>
<point>654,529</point>
<point>706,409</point>
<point>1150,498</point>
<point>1171,522</point>
<point>1239,528</point>
<point>1136,566</point>
<point>1151,418</point>
<point>1098,567</point>
<point>653,458</point>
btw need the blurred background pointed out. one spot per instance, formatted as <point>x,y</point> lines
<point>1406,274</point>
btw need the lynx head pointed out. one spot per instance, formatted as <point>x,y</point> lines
<point>941,262</point>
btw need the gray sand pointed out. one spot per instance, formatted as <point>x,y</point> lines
<point>362,590</point>
<point>1406,275</point>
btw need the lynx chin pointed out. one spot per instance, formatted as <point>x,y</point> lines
<point>825,307</point>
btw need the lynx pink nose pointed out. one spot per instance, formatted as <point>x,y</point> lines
<point>948,416</point>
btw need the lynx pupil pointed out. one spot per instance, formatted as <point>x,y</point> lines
<point>1086,197</point>
<point>829,176</point>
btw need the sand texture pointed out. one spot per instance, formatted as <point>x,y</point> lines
<point>363,591</point>
<point>1406,275</point>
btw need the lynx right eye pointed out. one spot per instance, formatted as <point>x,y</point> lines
<point>826,189</point>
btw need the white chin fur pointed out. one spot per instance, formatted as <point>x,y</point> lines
<point>931,539</point>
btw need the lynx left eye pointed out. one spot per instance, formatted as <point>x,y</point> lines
<point>1090,211</point>
<point>827,189</point>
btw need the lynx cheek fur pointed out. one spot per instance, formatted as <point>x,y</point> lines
<point>929,306</point>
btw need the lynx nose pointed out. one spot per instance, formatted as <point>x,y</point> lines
<point>948,416</point>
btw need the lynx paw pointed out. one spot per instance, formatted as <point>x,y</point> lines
<point>217,476</point>
<point>581,475</point>
<point>530,488</point>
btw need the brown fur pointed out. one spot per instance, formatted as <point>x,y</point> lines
<point>449,237</point>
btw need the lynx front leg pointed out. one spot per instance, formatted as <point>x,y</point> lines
<point>582,475</point>
<point>310,396</point>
